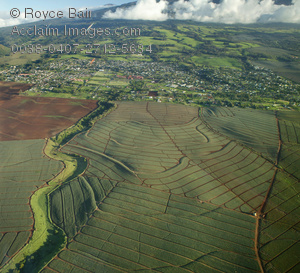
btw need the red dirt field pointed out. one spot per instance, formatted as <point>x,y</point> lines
<point>34,117</point>
<point>9,90</point>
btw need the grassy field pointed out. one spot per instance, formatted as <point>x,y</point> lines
<point>217,61</point>
<point>272,47</point>
<point>19,59</point>
<point>57,95</point>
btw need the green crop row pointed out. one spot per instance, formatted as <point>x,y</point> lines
<point>134,208</point>
<point>279,234</point>
<point>131,232</point>
<point>23,169</point>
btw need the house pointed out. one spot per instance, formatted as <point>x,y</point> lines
<point>153,93</point>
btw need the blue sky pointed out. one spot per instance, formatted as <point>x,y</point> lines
<point>55,4</point>
<point>46,5</point>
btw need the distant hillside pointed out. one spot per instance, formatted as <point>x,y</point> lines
<point>99,13</point>
<point>4,50</point>
<point>283,2</point>
<point>277,2</point>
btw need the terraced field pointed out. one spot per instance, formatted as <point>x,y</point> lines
<point>256,129</point>
<point>136,228</point>
<point>164,192</point>
<point>280,229</point>
<point>166,189</point>
<point>23,170</point>
<point>290,136</point>
<point>155,149</point>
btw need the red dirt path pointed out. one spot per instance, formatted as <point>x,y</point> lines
<point>35,117</point>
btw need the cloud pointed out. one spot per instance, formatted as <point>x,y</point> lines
<point>228,11</point>
<point>144,9</point>
<point>7,20</point>
<point>288,14</point>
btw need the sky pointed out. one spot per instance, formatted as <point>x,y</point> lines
<point>6,6</point>
<point>228,11</point>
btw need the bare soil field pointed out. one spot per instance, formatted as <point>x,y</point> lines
<point>35,118</point>
<point>9,90</point>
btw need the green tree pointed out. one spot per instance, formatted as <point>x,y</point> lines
<point>136,85</point>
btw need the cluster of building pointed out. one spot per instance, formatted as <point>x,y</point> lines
<point>163,81</point>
